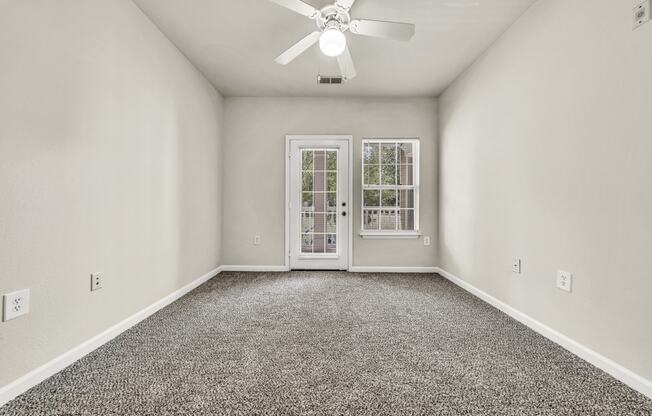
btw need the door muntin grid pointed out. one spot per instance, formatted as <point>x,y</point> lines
<point>319,190</point>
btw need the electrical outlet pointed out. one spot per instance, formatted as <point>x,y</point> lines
<point>516,266</point>
<point>426,241</point>
<point>15,304</point>
<point>641,14</point>
<point>96,281</point>
<point>564,280</point>
<point>258,240</point>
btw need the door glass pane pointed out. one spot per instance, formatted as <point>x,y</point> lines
<point>319,245</point>
<point>307,181</point>
<point>331,181</point>
<point>320,160</point>
<point>332,202</point>
<point>306,243</point>
<point>331,160</point>
<point>320,223</point>
<point>319,201</point>
<point>306,160</point>
<point>307,222</point>
<point>308,201</point>
<point>331,223</point>
<point>331,243</point>
<point>319,181</point>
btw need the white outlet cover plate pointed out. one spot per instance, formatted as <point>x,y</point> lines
<point>96,281</point>
<point>426,241</point>
<point>516,266</point>
<point>564,280</point>
<point>15,304</point>
<point>641,13</point>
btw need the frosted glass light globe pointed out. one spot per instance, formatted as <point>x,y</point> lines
<point>332,42</point>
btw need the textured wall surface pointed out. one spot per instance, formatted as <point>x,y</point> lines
<point>545,155</point>
<point>109,162</point>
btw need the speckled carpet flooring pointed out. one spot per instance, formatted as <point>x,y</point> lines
<point>325,343</point>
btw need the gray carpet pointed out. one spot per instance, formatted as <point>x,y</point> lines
<point>330,343</point>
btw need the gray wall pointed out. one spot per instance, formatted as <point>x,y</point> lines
<point>254,166</point>
<point>109,161</point>
<point>545,149</point>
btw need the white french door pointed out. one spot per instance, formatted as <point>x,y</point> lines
<point>319,205</point>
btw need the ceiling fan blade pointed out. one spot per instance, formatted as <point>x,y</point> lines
<point>347,4</point>
<point>345,61</point>
<point>299,7</point>
<point>380,29</point>
<point>299,48</point>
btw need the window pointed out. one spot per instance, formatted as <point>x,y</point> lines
<point>390,187</point>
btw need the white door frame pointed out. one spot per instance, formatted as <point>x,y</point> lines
<point>288,167</point>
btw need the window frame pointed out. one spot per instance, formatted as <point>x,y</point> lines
<point>387,234</point>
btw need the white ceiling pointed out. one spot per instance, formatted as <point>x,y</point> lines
<point>234,43</point>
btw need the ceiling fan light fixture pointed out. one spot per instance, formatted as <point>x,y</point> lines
<point>332,42</point>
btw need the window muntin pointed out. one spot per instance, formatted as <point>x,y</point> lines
<point>390,185</point>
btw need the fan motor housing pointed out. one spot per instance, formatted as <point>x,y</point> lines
<point>333,16</point>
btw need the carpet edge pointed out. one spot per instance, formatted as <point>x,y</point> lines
<point>619,372</point>
<point>19,386</point>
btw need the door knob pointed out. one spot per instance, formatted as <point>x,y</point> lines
<point>344,213</point>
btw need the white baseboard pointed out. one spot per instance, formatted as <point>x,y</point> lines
<point>34,377</point>
<point>382,269</point>
<point>633,380</point>
<point>236,268</point>
<point>352,269</point>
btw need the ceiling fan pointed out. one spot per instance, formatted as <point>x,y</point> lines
<point>332,22</point>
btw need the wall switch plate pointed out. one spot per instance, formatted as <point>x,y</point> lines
<point>641,14</point>
<point>516,266</point>
<point>426,241</point>
<point>15,304</point>
<point>564,280</point>
<point>258,240</point>
<point>96,281</point>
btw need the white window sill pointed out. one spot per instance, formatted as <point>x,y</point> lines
<point>390,235</point>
